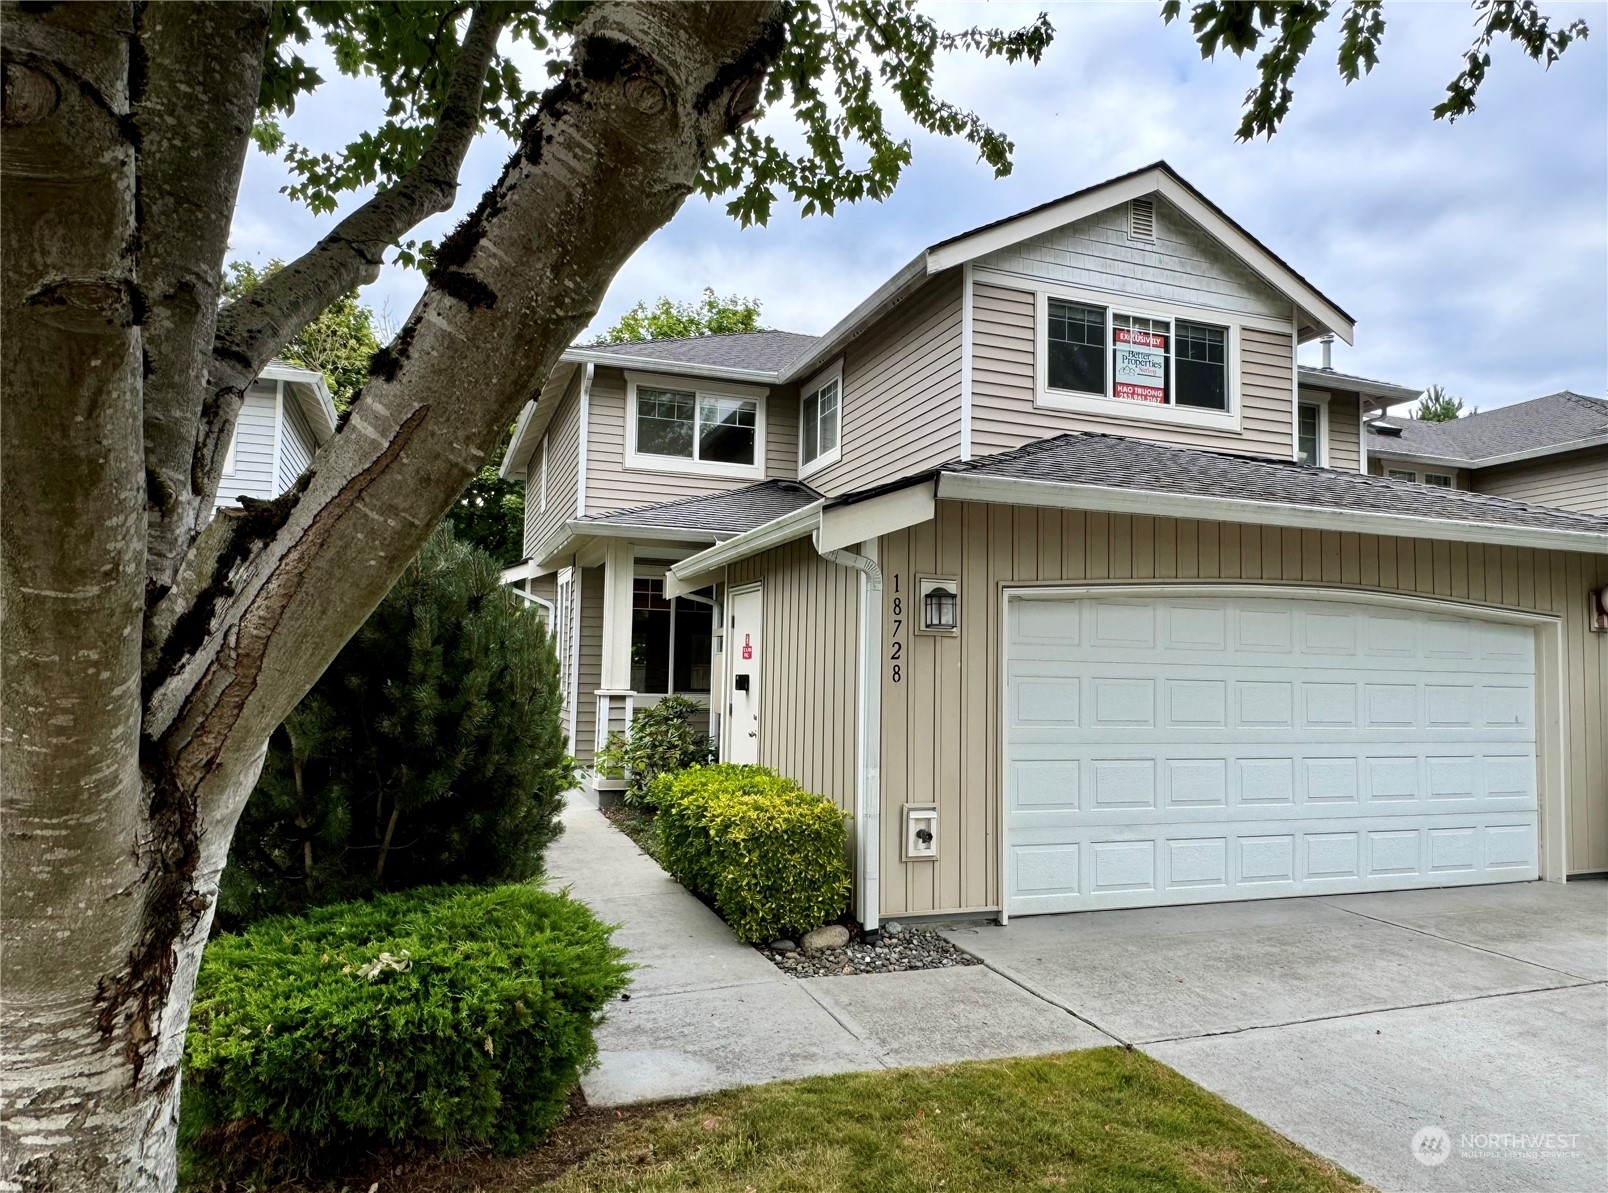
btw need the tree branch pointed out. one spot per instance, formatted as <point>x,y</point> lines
<point>193,113</point>
<point>255,326</point>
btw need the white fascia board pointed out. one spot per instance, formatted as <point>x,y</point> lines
<point>650,364</point>
<point>1534,453</point>
<point>525,570</point>
<point>311,391</point>
<point>533,422</point>
<point>846,525</point>
<point>916,271</point>
<point>774,533</point>
<point>1153,181</point>
<point>1054,494</point>
<point>1392,394</point>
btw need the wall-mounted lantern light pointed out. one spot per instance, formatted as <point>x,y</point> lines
<point>940,606</point>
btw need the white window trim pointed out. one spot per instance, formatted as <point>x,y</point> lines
<point>1449,478</point>
<point>1106,406</point>
<point>832,372</point>
<point>229,456</point>
<point>1401,474</point>
<point>699,388</point>
<point>1321,401</point>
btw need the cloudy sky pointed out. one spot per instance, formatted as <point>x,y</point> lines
<point>1474,255</point>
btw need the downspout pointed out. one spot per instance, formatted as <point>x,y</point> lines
<point>868,735</point>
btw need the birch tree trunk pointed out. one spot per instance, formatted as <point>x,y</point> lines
<point>147,652</point>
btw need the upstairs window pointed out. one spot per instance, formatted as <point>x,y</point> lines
<point>1097,352</point>
<point>677,429</point>
<point>1309,433</point>
<point>1438,480</point>
<point>820,420</point>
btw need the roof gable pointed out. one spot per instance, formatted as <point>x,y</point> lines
<point>1542,426</point>
<point>1318,312</point>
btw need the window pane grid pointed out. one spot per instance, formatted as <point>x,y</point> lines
<point>1077,347</point>
<point>696,427</point>
<point>819,415</point>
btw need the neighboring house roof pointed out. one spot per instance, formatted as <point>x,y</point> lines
<point>728,513</point>
<point>1316,378</point>
<point>311,393</point>
<point>1558,422</point>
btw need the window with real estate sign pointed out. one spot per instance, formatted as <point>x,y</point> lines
<point>1139,359</point>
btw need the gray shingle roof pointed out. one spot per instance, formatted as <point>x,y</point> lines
<point>731,512</point>
<point>759,351</point>
<point>1082,458</point>
<point>1553,422</point>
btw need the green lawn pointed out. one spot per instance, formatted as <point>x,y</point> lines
<point>1106,1120</point>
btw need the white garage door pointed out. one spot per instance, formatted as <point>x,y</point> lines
<point>1177,750</point>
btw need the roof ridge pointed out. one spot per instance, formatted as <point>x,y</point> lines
<point>709,335</point>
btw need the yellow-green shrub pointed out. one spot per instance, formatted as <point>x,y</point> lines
<point>770,855</point>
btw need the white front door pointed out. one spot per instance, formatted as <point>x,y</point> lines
<point>1164,750</point>
<point>747,607</point>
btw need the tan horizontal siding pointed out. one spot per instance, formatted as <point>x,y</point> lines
<point>807,688</point>
<point>589,661</point>
<point>940,722</point>
<point>563,470</point>
<point>1577,481</point>
<point>1185,265</point>
<point>1004,380</point>
<point>611,485</point>
<point>1345,430</point>
<point>901,392</point>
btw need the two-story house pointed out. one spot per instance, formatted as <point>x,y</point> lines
<point>1058,573</point>
<point>1551,451</point>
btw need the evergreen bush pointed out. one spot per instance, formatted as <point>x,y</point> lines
<point>440,1016</point>
<point>431,751</point>
<point>771,856</point>
<point>663,739</point>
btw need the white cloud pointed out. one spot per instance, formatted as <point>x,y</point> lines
<point>1474,255</point>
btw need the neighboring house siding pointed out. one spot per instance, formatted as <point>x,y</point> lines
<point>1576,481</point>
<point>1184,266</point>
<point>807,678</point>
<point>1345,430</point>
<point>940,735</point>
<point>901,393</point>
<point>610,485</point>
<point>253,474</point>
<point>1003,383</point>
<point>589,662</point>
<point>563,470</point>
<point>297,446</point>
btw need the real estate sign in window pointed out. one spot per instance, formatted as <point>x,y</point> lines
<point>1139,360</point>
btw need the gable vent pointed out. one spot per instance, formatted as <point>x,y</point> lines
<point>1142,220</point>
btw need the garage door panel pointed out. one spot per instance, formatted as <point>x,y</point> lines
<point>1183,751</point>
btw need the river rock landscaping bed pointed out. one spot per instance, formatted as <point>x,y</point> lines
<point>911,948</point>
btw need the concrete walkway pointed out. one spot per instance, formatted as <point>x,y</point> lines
<point>706,1012</point>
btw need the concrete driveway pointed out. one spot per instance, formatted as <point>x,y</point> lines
<point>1474,1020</point>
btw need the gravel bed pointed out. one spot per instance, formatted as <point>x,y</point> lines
<point>913,948</point>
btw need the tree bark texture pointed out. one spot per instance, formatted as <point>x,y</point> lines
<point>145,654</point>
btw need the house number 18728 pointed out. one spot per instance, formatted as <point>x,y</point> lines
<point>895,645</point>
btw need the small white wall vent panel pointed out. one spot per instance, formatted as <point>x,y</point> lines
<point>1142,220</point>
<point>1163,750</point>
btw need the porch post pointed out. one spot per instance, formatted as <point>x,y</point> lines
<point>614,695</point>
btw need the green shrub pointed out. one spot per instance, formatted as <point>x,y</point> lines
<point>663,739</point>
<point>442,1016</point>
<point>770,855</point>
<point>432,751</point>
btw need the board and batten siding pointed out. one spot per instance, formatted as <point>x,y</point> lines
<point>563,452</point>
<point>611,485</point>
<point>807,679</point>
<point>1577,481</point>
<point>941,738</point>
<point>901,392</point>
<point>1185,265</point>
<point>589,661</point>
<point>253,474</point>
<point>297,445</point>
<point>1004,383</point>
